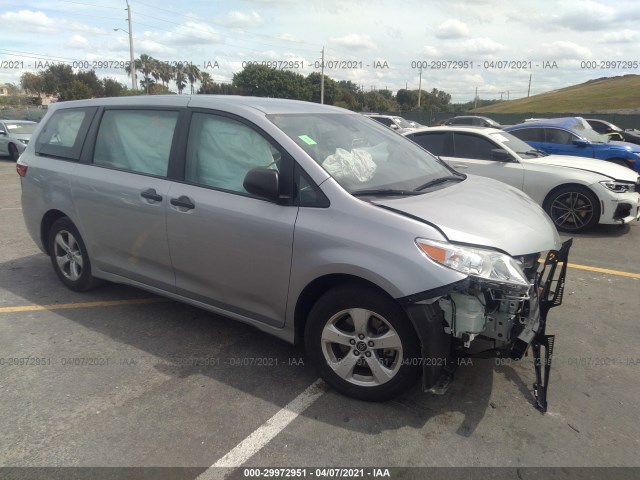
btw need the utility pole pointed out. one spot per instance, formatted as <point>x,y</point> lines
<point>529,90</point>
<point>322,80</point>
<point>475,100</point>
<point>420,87</point>
<point>133,64</point>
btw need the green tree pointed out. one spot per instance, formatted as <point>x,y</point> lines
<point>193,74</point>
<point>313,82</point>
<point>113,88</point>
<point>180,78</point>
<point>75,90</point>
<point>91,80</point>
<point>263,81</point>
<point>32,83</point>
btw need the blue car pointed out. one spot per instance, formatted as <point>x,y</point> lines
<point>574,136</point>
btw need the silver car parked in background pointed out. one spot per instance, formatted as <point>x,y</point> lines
<point>14,136</point>
<point>309,222</point>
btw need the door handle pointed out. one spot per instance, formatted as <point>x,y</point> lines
<point>151,194</point>
<point>184,202</point>
<point>460,165</point>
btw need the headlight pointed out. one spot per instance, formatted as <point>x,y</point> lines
<point>618,187</point>
<point>476,262</point>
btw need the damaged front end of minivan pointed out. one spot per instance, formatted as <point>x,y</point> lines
<point>499,310</point>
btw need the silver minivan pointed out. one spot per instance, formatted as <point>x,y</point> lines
<point>309,222</point>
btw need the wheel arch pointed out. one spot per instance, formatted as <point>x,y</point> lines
<point>318,287</point>
<point>551,192</point>
<point>47,222</point>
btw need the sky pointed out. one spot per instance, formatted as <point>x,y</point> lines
<point>503,49</point>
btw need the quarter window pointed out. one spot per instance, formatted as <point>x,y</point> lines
<point>64,133</point>
<point>136,140</point>
<point>221,151</point>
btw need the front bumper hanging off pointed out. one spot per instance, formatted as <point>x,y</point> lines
<point>441,358</point>
<point>550,282</point>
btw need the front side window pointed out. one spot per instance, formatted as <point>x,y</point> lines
<point>467,145</point>
<point>529,134</point>
<point>222,150</point>
<point>562,137</point>
<point>136,140</point>
<point>359,154</point>
<point>64,133</point>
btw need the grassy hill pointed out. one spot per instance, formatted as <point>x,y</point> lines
<point>603,95</point>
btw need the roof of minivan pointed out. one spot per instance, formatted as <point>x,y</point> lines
<point>263,104</point>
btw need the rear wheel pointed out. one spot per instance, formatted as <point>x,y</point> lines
<point>362,343</point>
<point>13,152</point>
<point>573,208</point>
<point>69,256</point>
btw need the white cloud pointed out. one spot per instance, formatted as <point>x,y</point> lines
<point>623,36</point>
<point>40,22</point>
<point>452,28</point>
<point>563,50</point>
<point>482,46</point>
<point>237,19</point>
<point>353,41</point>
<point>77,42</point>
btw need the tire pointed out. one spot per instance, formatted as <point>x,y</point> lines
<point>573,208</point>
<point>69,256</point>
<point>349,361</point>
<point>13,152</point>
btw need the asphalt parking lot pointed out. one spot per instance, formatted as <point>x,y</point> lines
<point>119,378</point>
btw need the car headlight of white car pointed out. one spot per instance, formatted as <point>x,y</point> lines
<point>618,186</point>
<point>481,263</point>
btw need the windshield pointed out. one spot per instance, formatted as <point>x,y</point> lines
<point>514,143</point>
<point>21,128</point>
<point>493,123</point>
<point>360,154</point>
<point>588,132</point>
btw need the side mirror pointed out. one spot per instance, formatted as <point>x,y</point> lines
<point>501,155</point>
<point>263,182</point>
<point>2,132</point>
<point>581,143</point>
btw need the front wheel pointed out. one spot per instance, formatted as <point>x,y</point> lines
<point>362,343</point>
<point>69,256</point>
<point>573,208</point>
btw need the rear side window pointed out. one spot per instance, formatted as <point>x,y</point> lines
<point>434,142</point>
<point>555,135</point>
<point>136,140</point>
<point>64,133</point>
<point>383,120</point>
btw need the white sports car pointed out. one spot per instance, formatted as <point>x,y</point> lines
<point>576,192</point>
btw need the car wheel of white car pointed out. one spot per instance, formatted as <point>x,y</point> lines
<point>69,256</point>
<point>361,342</point>
<point>573,208</point>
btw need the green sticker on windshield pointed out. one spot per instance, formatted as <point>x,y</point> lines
<point>307,139</point>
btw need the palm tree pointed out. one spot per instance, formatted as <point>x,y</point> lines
<point>180,78</point>
<point>146,68</point>
<point>205,81</point>
<point>193,74</point>
<point>165,73</point>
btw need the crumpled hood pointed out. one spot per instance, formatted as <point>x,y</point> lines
<point>615,145</point>
<point>612,170</point>
<point>485,212</point>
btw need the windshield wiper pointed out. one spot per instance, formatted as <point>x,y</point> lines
<point>384,192</point>
<point>438,181</point>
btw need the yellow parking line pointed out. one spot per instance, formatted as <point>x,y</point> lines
<point>604,270</point>
<point>60,306</point>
